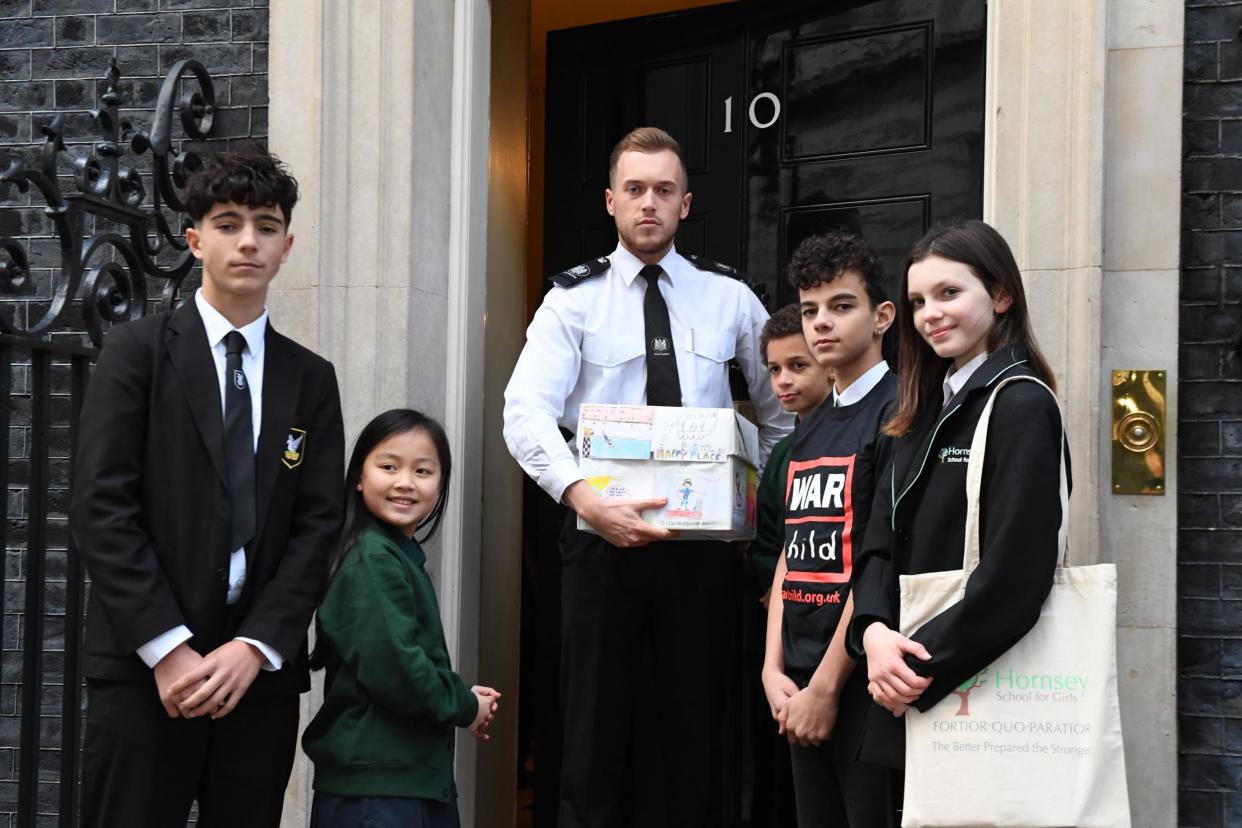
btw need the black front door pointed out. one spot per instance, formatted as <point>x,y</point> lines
<point>605,80</point>
<point>794,118</point>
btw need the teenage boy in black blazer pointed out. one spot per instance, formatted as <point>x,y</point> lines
<point>207,498</point>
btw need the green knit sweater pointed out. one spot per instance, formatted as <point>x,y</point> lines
<point>391,699</point>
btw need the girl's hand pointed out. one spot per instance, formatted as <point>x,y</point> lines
<point>488,706</point>
<point>891,682</point>
<point>779,688</point>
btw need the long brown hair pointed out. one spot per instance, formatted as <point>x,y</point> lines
<point>920,371</point>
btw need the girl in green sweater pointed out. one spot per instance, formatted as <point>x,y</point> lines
<point>382,743</point>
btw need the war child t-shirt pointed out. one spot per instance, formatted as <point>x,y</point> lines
<point>837,453</point>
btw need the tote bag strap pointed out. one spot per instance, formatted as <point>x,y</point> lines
<point>974,480</point>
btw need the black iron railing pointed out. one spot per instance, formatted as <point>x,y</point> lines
<point>112,291</point>
<point>133,237</point>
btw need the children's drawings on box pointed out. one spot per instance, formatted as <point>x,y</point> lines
<point>609,486</point>
<point>686,501</point>
<point>615,432</point>
<point>597,412</point>
<point>692,434</point>
<point>700,460</point>
<point>612,441</point>
<point>752,496</point>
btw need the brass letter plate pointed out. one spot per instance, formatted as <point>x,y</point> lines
<point>1138,432</point>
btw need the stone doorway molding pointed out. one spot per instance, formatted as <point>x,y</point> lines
<point>381,110</point>
<point>1082,176</point>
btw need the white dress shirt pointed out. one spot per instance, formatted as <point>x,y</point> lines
<point>586,344</point>
<point>252,365</point>
<point>860,387</point>
<point>955,381</point>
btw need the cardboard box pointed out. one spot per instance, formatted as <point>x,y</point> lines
<point>702,459</point>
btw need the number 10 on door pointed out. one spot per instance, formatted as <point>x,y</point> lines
<point>774,102</point>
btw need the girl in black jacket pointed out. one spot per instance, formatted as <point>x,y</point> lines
<point>964,327</point>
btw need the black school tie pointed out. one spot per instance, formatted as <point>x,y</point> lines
<point>238,441</point>
<point>663,385</point>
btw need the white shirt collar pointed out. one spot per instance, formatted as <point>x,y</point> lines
<point>218,327</point>
<point>627,264</point>
<point>955,381</point>
<point>860,387</point>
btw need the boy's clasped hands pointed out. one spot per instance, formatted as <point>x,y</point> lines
<point>806,717</point>
<point>192,685</point>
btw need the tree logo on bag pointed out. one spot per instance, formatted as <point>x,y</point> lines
<point>964,690</point>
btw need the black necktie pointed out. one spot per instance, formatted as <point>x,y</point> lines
<point>238,441</point>
<point>663,385</point>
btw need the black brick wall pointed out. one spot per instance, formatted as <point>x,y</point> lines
<point>1210,422</point>
<point>53,55</point>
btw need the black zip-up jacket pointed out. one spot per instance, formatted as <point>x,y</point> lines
<point>918,525</point>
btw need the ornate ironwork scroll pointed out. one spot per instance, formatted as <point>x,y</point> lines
<point>107,188</point>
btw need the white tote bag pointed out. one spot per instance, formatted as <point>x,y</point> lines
<point>1034,740</point>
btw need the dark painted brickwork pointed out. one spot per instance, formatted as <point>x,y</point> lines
<point>52,56</point>
<point>1210,463</point>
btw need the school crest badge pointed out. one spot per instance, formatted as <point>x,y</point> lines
<point>295,448</point>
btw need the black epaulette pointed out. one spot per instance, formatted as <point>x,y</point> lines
<point>577,275</point>
<point>759,289</point>
<point>715,267</point>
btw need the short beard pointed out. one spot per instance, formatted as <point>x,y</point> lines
<point>647,246</point>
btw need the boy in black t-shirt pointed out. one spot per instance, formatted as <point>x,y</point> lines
<point>800,383</point>
<point>814,692</point>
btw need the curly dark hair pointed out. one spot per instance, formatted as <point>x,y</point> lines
<point>785,322</point>
<point>824,257</point>
<point>253,177</point>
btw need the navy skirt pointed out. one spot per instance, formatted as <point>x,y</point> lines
<point>383,812</point>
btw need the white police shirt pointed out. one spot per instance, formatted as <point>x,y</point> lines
<point>586,344</point>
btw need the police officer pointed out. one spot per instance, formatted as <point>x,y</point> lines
<point>644,620</point>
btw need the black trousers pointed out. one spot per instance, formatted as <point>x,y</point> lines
<point>831,787</point>
<point>767,783</point>
<point>834,792</point>
<point>142,769</point>
<point>649,647</point>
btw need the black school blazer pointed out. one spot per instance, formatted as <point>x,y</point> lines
<point>151,508</point>
<point>918,525</point>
